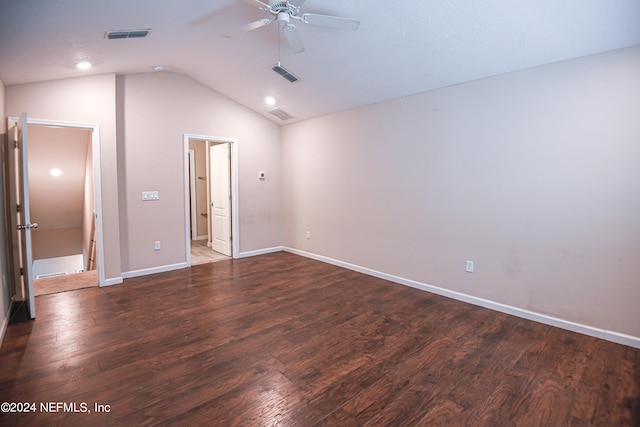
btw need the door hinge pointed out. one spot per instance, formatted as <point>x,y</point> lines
<point>21,271</point>
<point>18,208</point>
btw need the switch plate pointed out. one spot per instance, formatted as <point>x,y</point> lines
<point>150,195</point>
<point>156,245</point>
<point>308,234</point>
<point>469,266</point>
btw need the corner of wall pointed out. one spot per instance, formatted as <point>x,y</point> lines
<point>5,297</point>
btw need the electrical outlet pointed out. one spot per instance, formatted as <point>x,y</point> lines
<point>156,245</point>
<point>469,266</point>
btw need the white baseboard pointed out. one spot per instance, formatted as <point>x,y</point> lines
<point>260,252</point>
<point>612,336</point>
<point>153,270</point>
<point>112,281</point>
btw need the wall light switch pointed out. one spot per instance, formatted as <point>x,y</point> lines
<point>150,195</point>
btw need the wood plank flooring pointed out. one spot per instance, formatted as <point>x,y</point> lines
<point>283,340</point>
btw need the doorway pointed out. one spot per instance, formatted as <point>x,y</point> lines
<point>210,198</point>
<point>62,202</point>
<point>62,165</point>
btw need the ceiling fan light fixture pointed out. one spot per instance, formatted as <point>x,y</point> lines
<point>285,13</point>
<point>283,18</point>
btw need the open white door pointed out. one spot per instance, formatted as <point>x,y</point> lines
<point>23,226</point>
<point>219,156</point>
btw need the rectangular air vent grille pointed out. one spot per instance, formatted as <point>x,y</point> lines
<point>45,275</point>
<point>281,114</point>
<point>129,34</point>
<point>284,73</point>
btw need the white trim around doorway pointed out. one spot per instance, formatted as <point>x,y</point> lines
<point>97,182</point>
<point>235,233</point>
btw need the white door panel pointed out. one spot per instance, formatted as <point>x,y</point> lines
<point>19,175</point>
<point>220,198</point>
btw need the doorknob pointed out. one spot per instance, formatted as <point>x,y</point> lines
<point>28,226</point>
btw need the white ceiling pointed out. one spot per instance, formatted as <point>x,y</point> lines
<point>401,48</point>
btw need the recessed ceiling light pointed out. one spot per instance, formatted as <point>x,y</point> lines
<point>55,172</point>
<point>270,100</point>
<point>84,65</point>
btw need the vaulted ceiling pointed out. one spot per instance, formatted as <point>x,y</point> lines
<point>400,48</point>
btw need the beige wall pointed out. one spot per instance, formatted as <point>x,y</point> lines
<point>153,112</point>
<point>56,242</point>
<point>158,109</point>
<point>86,100</point>
<point>534,175</point>
<point>88,208</point>
<point>4,273</point>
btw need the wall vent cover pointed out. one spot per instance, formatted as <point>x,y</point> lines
<point>281,114</point>
<point>45,275</point>
<point>285,73</point>
<point>127,34</point>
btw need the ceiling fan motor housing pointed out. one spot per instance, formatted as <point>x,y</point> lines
<point>283,18</point>
<point>281,8</point>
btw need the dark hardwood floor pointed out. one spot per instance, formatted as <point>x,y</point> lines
<point>283,340</point>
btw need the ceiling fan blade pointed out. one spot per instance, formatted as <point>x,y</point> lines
<point>330,21</point>
<point>293,38</point>
<point>257,3</point>
<point>247,27</point>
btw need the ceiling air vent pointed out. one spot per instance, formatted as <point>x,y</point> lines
<point>284,73</point>
<point>281,114</point>
<point>129,34</point>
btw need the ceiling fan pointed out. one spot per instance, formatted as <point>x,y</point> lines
<point>284,13</point>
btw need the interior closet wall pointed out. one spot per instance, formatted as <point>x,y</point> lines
<point>200,159</point>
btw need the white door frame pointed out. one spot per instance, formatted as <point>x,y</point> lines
<point>97,180</point>
<point>235,233</point>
